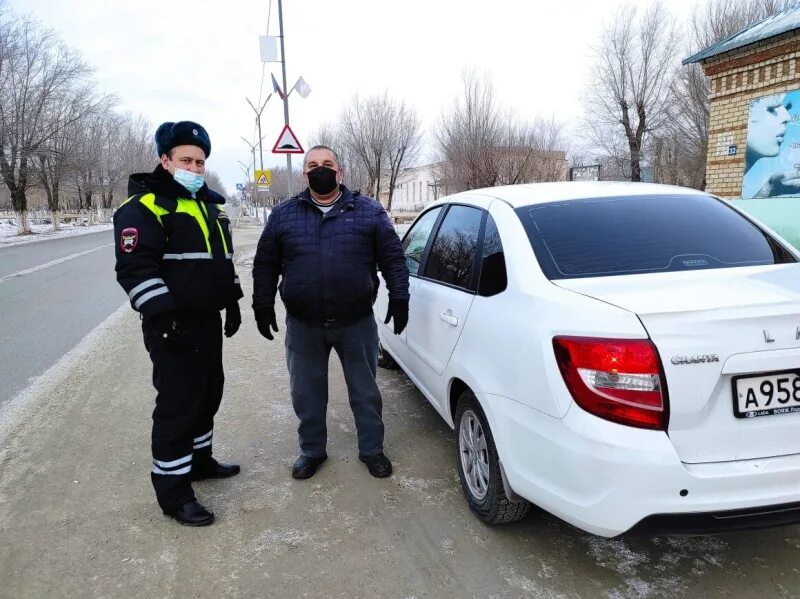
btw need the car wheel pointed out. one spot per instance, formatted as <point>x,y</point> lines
<point>385,360</point>
<point>479,467</point>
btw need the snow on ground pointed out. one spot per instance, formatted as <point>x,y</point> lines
<point>8,232</point>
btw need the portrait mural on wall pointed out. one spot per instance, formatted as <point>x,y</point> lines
<point>772,158</point>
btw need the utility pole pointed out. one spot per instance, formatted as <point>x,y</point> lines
<point>285,95</point>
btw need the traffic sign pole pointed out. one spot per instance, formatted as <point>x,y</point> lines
<point>285,97</point>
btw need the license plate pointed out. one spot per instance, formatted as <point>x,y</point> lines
<point>767,394</point>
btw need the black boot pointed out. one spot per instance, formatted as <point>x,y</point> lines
<point>211,468</point>
<point>378,465</point>
<point>306,466</point>
<point>192,514</point>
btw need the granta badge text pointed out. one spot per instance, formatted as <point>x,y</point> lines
<point>699,359</point>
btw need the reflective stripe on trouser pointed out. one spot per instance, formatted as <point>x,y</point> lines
<point>308,347</point>
<point>189,381</point>
<point>203,441</point>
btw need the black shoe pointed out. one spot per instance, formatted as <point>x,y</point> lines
<point>378,465</point>
<point>192,514</point>
<point>213,469</point>
<point>306,466</point>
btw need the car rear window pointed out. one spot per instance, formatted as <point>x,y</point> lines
<point>641,234</point>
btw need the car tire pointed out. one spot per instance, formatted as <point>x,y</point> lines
<point>385,360</point>
<point>479,466</point>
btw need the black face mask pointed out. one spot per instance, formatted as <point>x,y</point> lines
<point>322,180</point>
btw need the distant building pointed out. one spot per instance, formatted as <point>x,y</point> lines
<point>754,142</point>
<point>415,188</point>
<point>418,186</point>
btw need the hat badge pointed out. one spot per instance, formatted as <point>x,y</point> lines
<point>194,131</point>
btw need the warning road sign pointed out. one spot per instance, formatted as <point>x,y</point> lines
<point>263,179</point>
<point>287,143</point>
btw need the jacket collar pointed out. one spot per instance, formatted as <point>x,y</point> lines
<point>347,198</point>
<point>161,183</point>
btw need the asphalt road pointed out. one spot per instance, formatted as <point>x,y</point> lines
<point>52,293</point>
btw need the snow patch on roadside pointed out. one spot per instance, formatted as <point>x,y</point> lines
<point>9,237</point>
<point>281,542</point>
<point>528,586</point>
<point>654,572</point>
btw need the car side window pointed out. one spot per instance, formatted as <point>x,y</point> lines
<point>452,256</point>
<point>416,240</point>
<point>494,278</point>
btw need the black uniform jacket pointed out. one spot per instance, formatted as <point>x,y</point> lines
<point>174,252</point>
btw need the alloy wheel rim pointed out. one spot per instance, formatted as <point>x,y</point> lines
<point>474,455</point>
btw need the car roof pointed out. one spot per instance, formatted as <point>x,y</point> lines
<point>538,193</point>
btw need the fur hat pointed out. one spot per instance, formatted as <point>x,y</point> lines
<point>183,133</point>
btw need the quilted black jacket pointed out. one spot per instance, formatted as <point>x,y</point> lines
<point>327,264</point>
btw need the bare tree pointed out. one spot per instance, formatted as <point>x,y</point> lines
<point>111,169</point>
<point>138,146</point>
<point>365,130</point>
<point>214,182</point>
<point>36,71</point>
<point>404,143</point>
<point>56,156</point>
<point>531,152</point>
<point>468,134</point>
<point>89,155</point>
<point>632,76</point>
<point>717,19</point>
<point>480,144</point>
<point>355,173</point>
<point>375,139</point>
<point>326,135</point>
<point>279,188</point>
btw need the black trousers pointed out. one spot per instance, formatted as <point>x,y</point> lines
<point>189,380</point>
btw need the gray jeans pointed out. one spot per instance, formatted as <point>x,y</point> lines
<point>308,348</point>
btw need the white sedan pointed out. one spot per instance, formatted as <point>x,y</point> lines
<point>621,355</point>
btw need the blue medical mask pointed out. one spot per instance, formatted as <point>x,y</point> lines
<point>191,181</point>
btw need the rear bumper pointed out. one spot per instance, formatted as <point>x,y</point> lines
<point>607,478</point>
<point>725,521</point>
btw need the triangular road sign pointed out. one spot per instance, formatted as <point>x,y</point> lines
<point>263,179</point>
<point>287,143</point>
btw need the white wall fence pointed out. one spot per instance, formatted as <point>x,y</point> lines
<point>78,217</point>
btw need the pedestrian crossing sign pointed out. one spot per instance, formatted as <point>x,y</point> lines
<point>287,143</point>
<point>263,179</point>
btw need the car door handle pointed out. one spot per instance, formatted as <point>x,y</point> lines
<point>449,318</point>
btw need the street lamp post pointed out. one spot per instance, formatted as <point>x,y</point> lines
<point>258,112</point>
<point>253,151</point>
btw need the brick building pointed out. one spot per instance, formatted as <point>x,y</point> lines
<point>753,74</point>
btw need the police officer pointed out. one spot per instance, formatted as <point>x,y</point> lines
<point>174,260</point>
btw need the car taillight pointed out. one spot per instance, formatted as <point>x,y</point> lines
<point>616,379</point>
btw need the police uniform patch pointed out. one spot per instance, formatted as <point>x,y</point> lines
<point>129,239</point>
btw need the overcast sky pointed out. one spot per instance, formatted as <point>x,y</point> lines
<point>198,60</point>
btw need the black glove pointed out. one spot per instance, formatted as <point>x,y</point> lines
<point>398,310</point>
<point>265,319</point>
<point>233,319</point>
<point>167,330</point>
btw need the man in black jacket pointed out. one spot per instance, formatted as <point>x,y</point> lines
<point>325,245</point>
<point>175,261</point>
